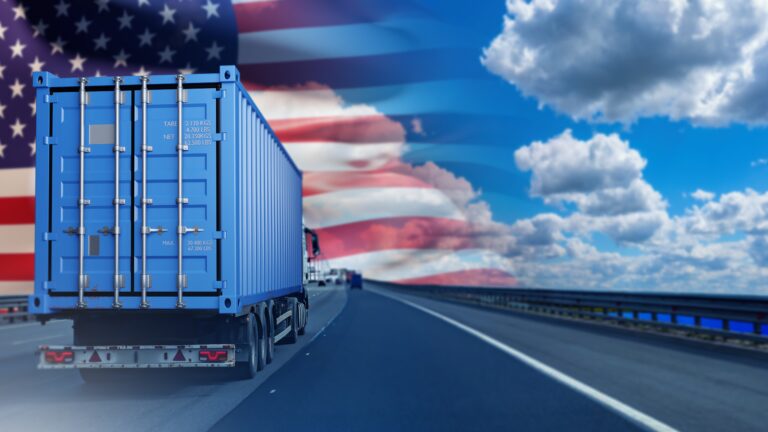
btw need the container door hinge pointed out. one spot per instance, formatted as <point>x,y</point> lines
<point>49,236</point>
<point>220,136</point>
<point>48,285</point>
<point>52,98</point>
<point>219,284</point>
<point>218,94</point>
<point>220,235</point>
<point>49,140</point>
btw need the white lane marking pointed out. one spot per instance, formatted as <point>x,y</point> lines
<point>627,411</point>
<point>38,339</point>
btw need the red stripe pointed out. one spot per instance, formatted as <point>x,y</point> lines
<point>17,267</point>
<point>283,14</point>
<point>363,129</point>
<point>17,210</point>
<point>475,278</point>
<point>394,233</point>
<point>323,182</point>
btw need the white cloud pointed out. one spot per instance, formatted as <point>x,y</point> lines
<point>603,177</point>
<point>703,60</point>
<point>703,195</point>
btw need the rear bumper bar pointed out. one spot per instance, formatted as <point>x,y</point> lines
<point>136,356</point>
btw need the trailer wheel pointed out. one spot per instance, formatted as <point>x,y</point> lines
<point>303,315</point>
<point>248,368</point>
<point>293,335</point>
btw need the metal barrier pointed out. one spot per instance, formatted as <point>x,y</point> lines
<point>728,316</point>
<point>13,309</point>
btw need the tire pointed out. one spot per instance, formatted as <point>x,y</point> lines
<point>304,313</point>
<point>293,335</point>
<point>247,369</point>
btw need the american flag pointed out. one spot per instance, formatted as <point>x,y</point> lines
<point>337,79</point>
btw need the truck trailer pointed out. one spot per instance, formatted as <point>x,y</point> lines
<point>168,224</point>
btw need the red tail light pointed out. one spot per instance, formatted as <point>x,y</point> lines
<point>214,356</point>
<point>59,357</point>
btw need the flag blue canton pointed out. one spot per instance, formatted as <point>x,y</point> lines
<point>101,37</point>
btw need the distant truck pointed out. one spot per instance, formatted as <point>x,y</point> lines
<point>168,224</point>
<point>355,280</point>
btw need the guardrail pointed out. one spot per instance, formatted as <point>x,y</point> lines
<point>739,317</point>
<point>13,309</point>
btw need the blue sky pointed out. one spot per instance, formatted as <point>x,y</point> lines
<point>673,91</point>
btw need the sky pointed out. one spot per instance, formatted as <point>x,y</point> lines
<point>621,144</point>
<point>581,144</point>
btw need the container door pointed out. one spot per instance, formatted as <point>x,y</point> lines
<point>199,185</point>
<point>99,189</point>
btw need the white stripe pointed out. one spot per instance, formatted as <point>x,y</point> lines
<point>350,40</point>
<point>399,264</point>
<point>614,404</point>
<point>16,288</point>
<point>328,156</point>
<point>361,204</point>
<point>17,239</point>
<point>319,102</point>
<point>17,182</point>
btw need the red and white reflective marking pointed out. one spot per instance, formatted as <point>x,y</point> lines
<point>136,356</point>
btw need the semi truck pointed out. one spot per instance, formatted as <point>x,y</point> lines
<point>168,225</point>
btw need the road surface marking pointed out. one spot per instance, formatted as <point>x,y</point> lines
<point>38,339</point>
<point>627,411</point>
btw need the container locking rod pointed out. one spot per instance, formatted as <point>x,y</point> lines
<point>145,277</point>
<point>82,278</point>
<point>181,279</point>
<point>118,278</point>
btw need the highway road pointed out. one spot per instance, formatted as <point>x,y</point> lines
<point>396,362</point>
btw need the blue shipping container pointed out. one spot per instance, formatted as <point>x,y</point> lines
<point>240,196</point>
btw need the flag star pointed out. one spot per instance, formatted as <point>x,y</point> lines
<point>2,70</point>
<point>191,32</point>
<point>98,72</point>
<point>62,8</point>
<point>17,49</point>
<point>143,2</point>
<point>211,9</point>
<point>166,55</point>
<point>2,110</point>
<point>146,38</point>
<point>36,65</point>
<point>121,59</point>
<point>32,148</point>
<point>33,106</point>
<point>3,29</point>
<point>167,14</point>
<point>58,46</point>
<point>101,42</point>
<point>187,70</point>
<point>214,51</point>
<point>77,62</point>
<point>2,150</point>
<point>125,20</point>
<point>19,12</point>
<point>103,5</point>
<point>82,25</point>
<point>142,72</point>
<point>18,128</point>
<point>17,89</point>
<point>39,29</point>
